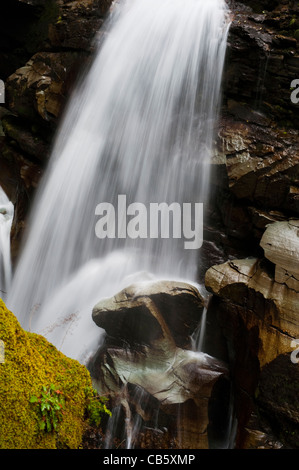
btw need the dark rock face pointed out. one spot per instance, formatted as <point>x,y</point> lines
<point>256,303</point>
<point>44,45</point>
<point>28,27</point>
<point>255,171</point>
<point>262,60</point>
<point>255,183</point>
<point>280,404</point>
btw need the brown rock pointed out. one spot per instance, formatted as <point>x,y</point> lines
<point>264,304</point>
<point>38,91</point>
<point>259,319</point>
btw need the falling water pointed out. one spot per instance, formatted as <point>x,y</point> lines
<point>140,126</point>
<point>6,217</point>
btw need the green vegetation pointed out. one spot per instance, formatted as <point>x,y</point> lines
<point>50,405</point>
<point>96,408</point>
<point>32,374</point>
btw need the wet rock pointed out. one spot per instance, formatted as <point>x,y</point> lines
<point>261,163</point>
<point>148,356</point>
<point>265,303</point>
<point>259,319</point>
<point>254,181</point>
<point>143,313</point>
<point>258,71</point>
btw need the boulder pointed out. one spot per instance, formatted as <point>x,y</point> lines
<point>281,246</point>
<point>146,312</point>
<point>148,328</point>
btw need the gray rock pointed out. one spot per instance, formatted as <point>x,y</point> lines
<point>281,246</point>
<point>145,312</point>
<point>145,323</point>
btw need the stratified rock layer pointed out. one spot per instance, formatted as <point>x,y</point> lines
<point>258,312</point>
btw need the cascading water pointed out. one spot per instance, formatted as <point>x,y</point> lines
<point>6,217</point>
<point>138,129</point>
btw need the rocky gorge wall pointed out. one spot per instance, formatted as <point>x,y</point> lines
<point>255,182</point>
<point>253,315</point>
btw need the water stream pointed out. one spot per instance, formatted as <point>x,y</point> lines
<point>138,132</point>
<point>6,217</point>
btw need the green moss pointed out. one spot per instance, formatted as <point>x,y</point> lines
<point>30,362</point>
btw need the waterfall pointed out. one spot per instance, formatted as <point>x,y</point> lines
<point>138,132</point>
<point>6,217</point>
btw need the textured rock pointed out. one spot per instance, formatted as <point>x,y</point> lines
<point>278,397</point>
<point>261,61</point>
<point>38,90</point>
<point>77,23</point>
<point>143,313</point>
<point>270,306</point>
<point>281,246</point>
<point>144,323</point>
<point>259,319</point>
<point>28,27</point>
<point>28,142</point>
<point>261,162</point>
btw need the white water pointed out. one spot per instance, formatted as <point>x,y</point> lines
<point>141,124</point>
<point>6,217</point>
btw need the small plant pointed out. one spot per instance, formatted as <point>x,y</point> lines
<point>50,405</point>
<point>96,408</point>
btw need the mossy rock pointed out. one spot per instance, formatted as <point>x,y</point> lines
<point>28,363</point>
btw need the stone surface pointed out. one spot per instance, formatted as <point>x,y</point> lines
<point>143,313</point>
<point>266,304</point>
<point>259,319</point>
<point>39,88</point>
<point>278,397</point>
<point>261,60</point>
<point>261,163</point>
<point>147,356</point>
<point>281,246</point>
